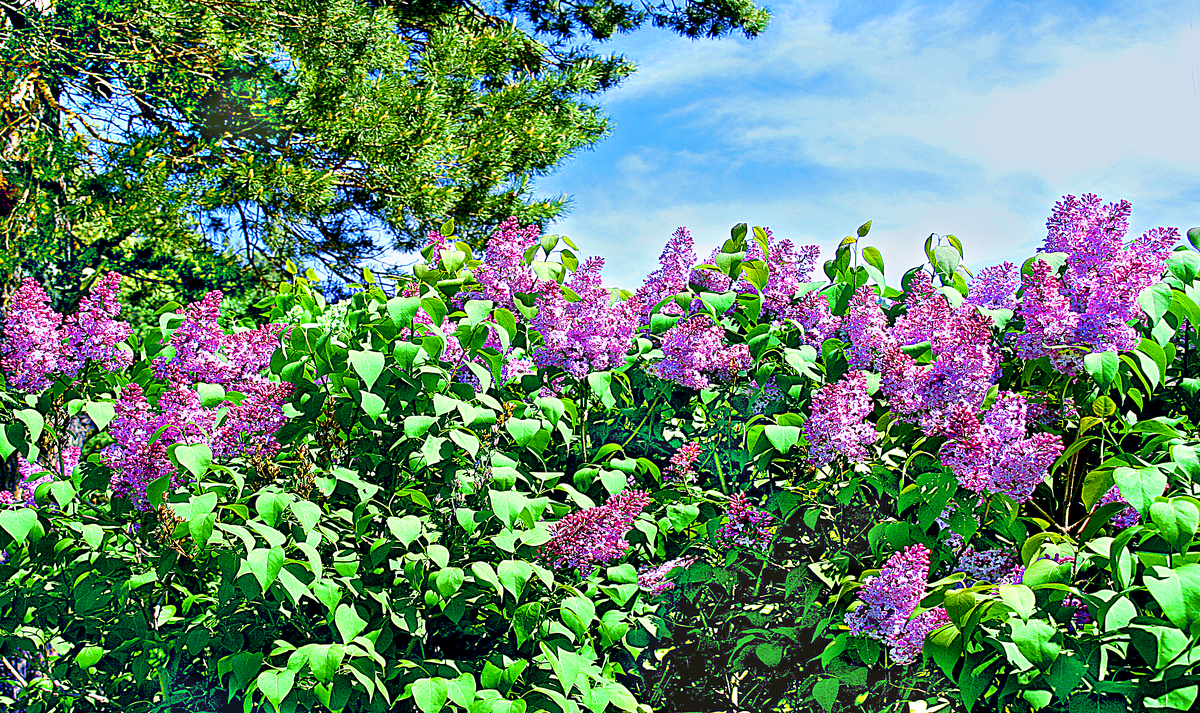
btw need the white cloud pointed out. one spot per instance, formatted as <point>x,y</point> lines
<point>944,120</point>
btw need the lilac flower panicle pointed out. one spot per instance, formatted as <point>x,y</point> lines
<point>1090,306</point>
<point>745,526</point>
<point>694,352</point>
<point>889,601</point>
<point>866,327</point>
<point>93,332</point>
<point>654,579</point>
<point>838,425</point>
<point>32,348</point>
<point>995,287</point>
<point>590,334</point>
<point>996,455</point>
<point>992,566</point>
<point>503,272</point>
<point>682,466</point>
<point>595,536</point>
<point>674,268</point>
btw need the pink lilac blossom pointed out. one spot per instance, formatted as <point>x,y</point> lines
<point>694,352</point>
<point>889,600</point>
<point>1088,308</point>
<point>682,466</point>
<point>590,334</point>
<point>965,362</point>
<point>654,579</point>
<point>674,267</point>
<point>93,332</point>
<point>503,272</point>
<point>204,353</point>
<point>817,323</point>
<point>995,287</point>
<point>1080,617</point>
<point>745,526</point>
<point>238,426</point>
<point>866,327</point>
<point>996,455</point>
<point>32,346</point>
<point>587,538</point>
<point>788,270</point>
<point>710,280</point>
<point>838,425</point>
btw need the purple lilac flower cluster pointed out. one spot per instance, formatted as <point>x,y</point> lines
<point>888,603</point>
<point>996,455</point>
<point>590,334</point>
<point>995,287</point>
<point>504,273</point>
<point>1125,518</point>
<point>694,352</point>
<point>654,579</point>
<point>965,362</point>
<point>682,466</point>
<point>671,277</point>
<point>992,566</point>
<point>39,343</point>
<point>745,526</point>
<point>838,425</point>
<point>204,353</point>
<point>594,536</point>
<point>1088,308</point>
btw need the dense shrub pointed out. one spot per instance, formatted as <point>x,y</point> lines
<point>501,487</point>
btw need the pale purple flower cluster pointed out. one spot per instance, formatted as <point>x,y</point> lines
<point>812,314</point>
<point>682,466</point>
<point>837,426</point>
<point>1088,308</point>
<point>965,363</point>
<point>995,287</point>
<point>654,579</point>
<point>594,536</point>
<point>889,600</point>
<point>204,353</point>
<point>694,352</point>
<point>992,566</point>
<point>1081,617</point>
<point>788,270</point>
<point>590,334</point>
<point>39,343</point>
<point>996,455</point>
<point>1125,518</point>
<point>504,273</point>
<point>671,277</point>
<point>745,526</point>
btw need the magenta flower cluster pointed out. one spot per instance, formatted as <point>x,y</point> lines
<point>838,425</point>
<point>889,600</point>
<point>996,454</point>
<point>695,353</point>
<point>653,579</point>
<point>504,271</point>
<point>674,270</point>
<point>682,468</point>
<point>245,422</point>
<point>595,536</point>
<point>745,526</point>
<point>39,343</point>
<point>589,334</point>
<point>1089,307</point>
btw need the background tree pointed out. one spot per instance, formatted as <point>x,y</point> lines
<point>135,132</point>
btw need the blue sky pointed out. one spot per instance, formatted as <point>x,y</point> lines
<point>970,118</point>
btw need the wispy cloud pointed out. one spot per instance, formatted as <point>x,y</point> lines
<point>965,118</point>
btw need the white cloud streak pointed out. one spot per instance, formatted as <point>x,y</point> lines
<point>959,119</point>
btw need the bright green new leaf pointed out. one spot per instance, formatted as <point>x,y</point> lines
<point>276,684</point>
<point>368,365</point>
<point>430,694</point>
<point>1140,486</point>
<point>264,565</point>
